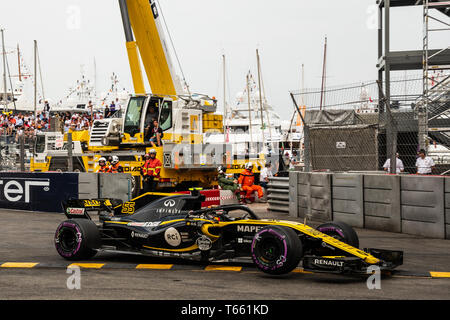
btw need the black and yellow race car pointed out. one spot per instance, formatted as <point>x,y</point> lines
<point>177,226</point>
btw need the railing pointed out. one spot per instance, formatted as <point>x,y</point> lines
<point>11,157</point>
<point>278,194</point>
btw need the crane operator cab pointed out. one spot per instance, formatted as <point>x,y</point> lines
<point>140,117</point>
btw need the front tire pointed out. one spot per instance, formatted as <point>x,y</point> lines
<point>342,232</point>
<point>77,239</point>
<point>276,250</point>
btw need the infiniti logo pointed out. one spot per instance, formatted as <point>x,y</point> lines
<point>169,203</point>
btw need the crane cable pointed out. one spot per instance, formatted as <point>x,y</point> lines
<point>173,47</point>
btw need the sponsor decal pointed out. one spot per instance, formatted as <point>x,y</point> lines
<point>128,207</point>
<point>185,237</point>
<point>139,235</point>
<point>331,263</point>
<point>168,211</point>
<point>75,211</point>
<point>250,229</point>
<point>15,190</point>
<point>130,169</point>
<point>243,240</point>
<point>204,243</point>
<point>144,224</point>
<point>172,237</point>
<point>92,203</point>
<point>169,203</point>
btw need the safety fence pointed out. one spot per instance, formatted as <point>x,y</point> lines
<point>355,127</point>
<point>44,192</point>
<point>411,204</point>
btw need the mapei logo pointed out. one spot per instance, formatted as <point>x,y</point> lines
<point>17,189</point>
<point>250,229</point>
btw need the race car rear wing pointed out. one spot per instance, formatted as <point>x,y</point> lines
<point>79,208</point>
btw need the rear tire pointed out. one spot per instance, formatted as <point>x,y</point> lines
<point>276,250</point>
<point>77,239</point>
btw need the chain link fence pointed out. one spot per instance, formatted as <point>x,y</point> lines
<point>354,128</point>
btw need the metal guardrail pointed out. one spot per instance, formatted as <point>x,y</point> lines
<point>10,152</point>
<point>278,194</point>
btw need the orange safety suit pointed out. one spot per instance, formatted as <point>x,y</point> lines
<point>152,168</point>
<point>246,180</point>
<point>116,168</point>
<point>104,169</point>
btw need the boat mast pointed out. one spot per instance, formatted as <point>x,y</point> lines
<point>18,62</point>
<point>35,82</point>
<point>225,111</point>
<point>5,100</point>
<point>260,99</point>
<point>265,106</point>
<point>324,72</point>
<point>249,113</point>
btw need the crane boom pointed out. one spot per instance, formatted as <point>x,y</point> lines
<point>144,18</point>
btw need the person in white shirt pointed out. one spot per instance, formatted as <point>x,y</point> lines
<point>424,164</point>
<point>265,174</point>
<point>399,165</point>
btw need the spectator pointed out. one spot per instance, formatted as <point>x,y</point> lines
<point>399,165</point>
<point>112,109</point>
<point>106,114</point>
<point>118,107</point>
<point>424,164</point>
<point>156,134</point>
<point>293,161</point>
<point>265,174</point>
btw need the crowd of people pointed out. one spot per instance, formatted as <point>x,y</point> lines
<point>23,123</point>
<point>15,124</point>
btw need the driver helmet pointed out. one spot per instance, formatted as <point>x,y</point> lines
<point>115,159</point>
<point>249,165</point>
<point>221,169</point>
<point>102,159</point>
<point>152,151</point>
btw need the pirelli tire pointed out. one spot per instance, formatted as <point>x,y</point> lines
<point>341,231</point>
<point>276,250</point>
<point>77,239</point>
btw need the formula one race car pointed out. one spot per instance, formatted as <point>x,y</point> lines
<point>177,226</point>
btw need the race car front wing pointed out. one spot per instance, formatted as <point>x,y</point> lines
<point>389,259</point>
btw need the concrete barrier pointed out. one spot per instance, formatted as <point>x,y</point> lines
<point>293,193</point>
<point>348,199</point>
<point>88,185</point>
<point>422,202</point>
<point>447,207</point>
<point>303,194</point>
<point>382,202</point>
<point>320,197</point>
<point>115,185</point>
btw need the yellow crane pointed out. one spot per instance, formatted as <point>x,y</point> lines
<point>183,117</point>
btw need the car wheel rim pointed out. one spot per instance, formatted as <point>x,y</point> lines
<point>68,240</point>
<point>270,249</point>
